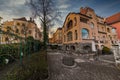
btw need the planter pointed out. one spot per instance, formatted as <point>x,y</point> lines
<point>68,61</point>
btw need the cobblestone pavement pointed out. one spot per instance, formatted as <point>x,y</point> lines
<point>107,57</point>
<point>84,70</point>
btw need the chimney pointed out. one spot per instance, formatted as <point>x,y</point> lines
<point>81,9</point>
<point>31,19</point>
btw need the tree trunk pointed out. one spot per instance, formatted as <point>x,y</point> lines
<point>45,36</point>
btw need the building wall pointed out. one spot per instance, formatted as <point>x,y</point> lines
<point>57,36</point>
<point>117,26</point>
<point>21,28</point>
<point>51,40</point>
<point>114,20</point>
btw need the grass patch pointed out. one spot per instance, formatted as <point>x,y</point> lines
<point>34,68</point>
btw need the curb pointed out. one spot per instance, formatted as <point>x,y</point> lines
<point>75,64</point>
<point>107,61</point>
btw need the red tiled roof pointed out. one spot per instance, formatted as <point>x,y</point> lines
<point>114,18</point>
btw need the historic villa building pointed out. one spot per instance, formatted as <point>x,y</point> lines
<point>85,31</point>
<point>21,27</point>
<point>114,21</point>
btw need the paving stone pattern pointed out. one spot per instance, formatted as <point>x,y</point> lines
<point>88,70</point>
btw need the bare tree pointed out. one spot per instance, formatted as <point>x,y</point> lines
<point>47,12</point>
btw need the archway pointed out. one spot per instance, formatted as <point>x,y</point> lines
<point>67,47</point>
<point>87,48</point>
<point>73,48</point>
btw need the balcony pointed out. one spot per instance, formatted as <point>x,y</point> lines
<point>100,31</point>
<point>96,41</point>
<point>101,41</point>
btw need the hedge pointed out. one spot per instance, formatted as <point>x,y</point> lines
<point>106,50</point>
<point>34,68</point>
<point>13,50</point>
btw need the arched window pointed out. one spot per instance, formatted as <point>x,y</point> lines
<point>75,19</point>
<point>8,29</point>
<point>108,30</point>
<point>18,24</point>
<point>22,31</point>
<point>92,25</point>
<point>113,30</point>
<point>30,31</point>
<point>69,36</point>
<point>6,39</point>
<point>85,34</point>
<point>64,38</point>
<point>69,24</point>
<point>23,24</point>
<point>17,31</point>
<point>76,35</point>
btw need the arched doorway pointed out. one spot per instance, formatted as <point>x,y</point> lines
<point>73,48</point>
<point>87,48</point>
<point>67,47</point>
<point>97,47</point>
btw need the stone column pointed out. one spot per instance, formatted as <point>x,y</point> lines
<point>116,54</point>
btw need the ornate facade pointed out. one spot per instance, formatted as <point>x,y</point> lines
<point>87,31</point>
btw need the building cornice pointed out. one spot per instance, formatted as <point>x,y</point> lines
<point>102,32</point>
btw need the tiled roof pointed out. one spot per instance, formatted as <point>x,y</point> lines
<point>114,18</point>
<point>22,19</point>
<point>59,28</point>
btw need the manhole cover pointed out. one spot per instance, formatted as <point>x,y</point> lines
<point>69,61</point>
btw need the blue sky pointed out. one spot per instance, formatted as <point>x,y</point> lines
<point>16,8</point>
<point>102,8</point>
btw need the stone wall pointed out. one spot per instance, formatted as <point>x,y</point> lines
<point>78,47</point>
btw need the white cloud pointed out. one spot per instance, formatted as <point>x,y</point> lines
<point>64,6</point>
<point>62,1</point>
<point>10,9</point>
<point>13,8</point>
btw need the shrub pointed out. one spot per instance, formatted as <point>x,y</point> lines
<point>53,46</point>
<point>11,49</point>
<point>34,68</point>
<point>106,50</point>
